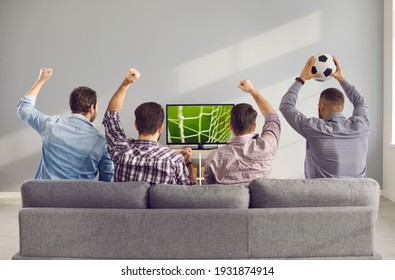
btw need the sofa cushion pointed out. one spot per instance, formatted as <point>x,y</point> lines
<point>82,233</point>
<point>84,194</point>
<point>309,232</point>
<point>206,196</point>
<point>277,193</point>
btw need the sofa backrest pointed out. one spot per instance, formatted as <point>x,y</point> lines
<point>206,196</point>
<point>261,193</point>
<point>84,194</point>
<point>277,193</point>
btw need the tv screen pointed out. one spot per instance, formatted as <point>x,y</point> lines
<point>198,124</point>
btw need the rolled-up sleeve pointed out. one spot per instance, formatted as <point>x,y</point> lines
<point>113,129</point>
<point>271,130</point>
<point>31,116</point>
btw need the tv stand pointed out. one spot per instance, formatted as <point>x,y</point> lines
<point>199,161</point>
<point>201,146</point>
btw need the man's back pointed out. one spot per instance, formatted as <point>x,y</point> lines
<point>142,160</point>
<point>241,161</point>
<point>337,147</point>
<point>72,148</point>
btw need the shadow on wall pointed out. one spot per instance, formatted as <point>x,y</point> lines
<point>248,53</point>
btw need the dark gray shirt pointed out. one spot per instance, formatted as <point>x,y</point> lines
<point>335,147</point>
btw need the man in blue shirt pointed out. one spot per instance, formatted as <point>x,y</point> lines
<point>336,146</point>
<point>72,148</point>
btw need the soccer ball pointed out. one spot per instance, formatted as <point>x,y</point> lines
<point>324,65</point>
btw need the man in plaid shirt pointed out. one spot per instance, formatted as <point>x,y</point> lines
<point>144,159</point>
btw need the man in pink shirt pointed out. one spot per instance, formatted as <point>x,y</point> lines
<point>247,156</point>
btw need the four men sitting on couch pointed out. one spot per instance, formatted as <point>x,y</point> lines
<point>336,146</point>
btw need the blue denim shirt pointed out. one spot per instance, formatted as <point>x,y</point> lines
<point>71,148</point>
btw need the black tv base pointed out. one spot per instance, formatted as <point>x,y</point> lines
<point>202,147</point>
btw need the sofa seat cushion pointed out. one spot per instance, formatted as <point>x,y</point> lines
<point>206,196</point>
<point>326,192</point>
<point>84,194</point>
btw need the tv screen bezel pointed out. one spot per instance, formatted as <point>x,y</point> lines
<point>200,145</point>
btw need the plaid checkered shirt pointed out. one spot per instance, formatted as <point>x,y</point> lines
<point>142,160</point>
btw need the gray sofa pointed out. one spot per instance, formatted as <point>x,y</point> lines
<point>269,219</point>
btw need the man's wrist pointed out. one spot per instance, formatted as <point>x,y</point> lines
<point>126,83</point>
<point>189,163</point>
<point>300,80</point>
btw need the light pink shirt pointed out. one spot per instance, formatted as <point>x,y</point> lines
<point>245,157</point>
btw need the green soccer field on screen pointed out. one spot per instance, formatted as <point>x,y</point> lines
<point>194,124</point>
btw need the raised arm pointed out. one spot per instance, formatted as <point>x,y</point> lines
<point>294,117</point>
<point>263,104</point>
<point>26,108</point>
<point>116,102</point>
<point>307,73</point>
<point>45,74</point>
<point>357,100</point>
<point>338,75</point>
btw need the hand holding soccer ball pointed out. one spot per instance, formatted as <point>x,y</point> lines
<point>338,75</point>
<point>321,67</point>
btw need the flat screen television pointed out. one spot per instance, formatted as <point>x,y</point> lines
<point>198,124</point>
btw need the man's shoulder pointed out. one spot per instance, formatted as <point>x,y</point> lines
<point>220,151</point>
<point>170,152</point>
<point>99,134</point>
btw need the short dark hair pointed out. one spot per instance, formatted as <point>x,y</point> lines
<point>149,117</point>
<point>242,118</point>
<point>333,95</point>
<point>81,99</point>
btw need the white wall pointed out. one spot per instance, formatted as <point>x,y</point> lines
<point>389,75</point>
<point>187,51</point>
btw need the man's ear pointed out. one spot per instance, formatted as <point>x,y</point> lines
<point>254,127</point>
<point>161,128</point>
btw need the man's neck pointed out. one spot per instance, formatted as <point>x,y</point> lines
<point>87,116</point>
<point>241,135</point>
<point>148,137</point>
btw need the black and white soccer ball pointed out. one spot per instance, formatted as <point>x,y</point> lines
<point>324,65</point>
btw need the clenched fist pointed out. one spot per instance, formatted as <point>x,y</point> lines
<point>187,154</point>
<point>246,86</point>
<point>45,73</point>
<point>132,75</point>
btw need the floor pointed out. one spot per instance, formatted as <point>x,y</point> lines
<point>9,237</point>
<point>385,229</point>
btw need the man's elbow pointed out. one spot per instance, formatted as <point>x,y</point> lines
<point>21,112</point>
